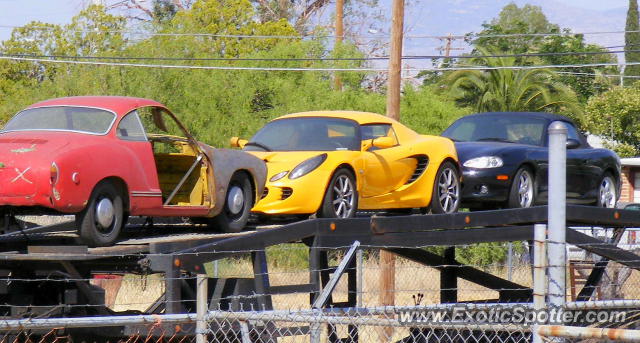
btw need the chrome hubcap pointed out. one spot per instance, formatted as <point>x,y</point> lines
<point>607,193</point>
<point>525,190</point>
<point>105,213</point>
<point>448,190</point>
<point>343,197</point>
<point>235,200</point>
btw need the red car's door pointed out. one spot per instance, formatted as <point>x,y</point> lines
<point>144,189</point>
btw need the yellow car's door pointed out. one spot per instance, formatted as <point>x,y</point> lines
<point>385,168</point>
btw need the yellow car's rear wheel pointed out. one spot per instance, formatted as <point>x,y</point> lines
<point>341,196</point>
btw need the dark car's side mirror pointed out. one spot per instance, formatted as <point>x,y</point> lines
<point>573,143</point>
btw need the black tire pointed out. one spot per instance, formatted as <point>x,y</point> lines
<point>235,218</point>
<point>445,197</point>
<point>94,232</point>
<point>607,191</point>
<point>519,197</point>
<point>346,205</point>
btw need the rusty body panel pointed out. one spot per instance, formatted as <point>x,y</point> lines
<point>227,162</point>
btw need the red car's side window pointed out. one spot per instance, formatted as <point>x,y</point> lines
<point>130,128</point>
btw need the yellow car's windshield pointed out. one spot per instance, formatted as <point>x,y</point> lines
<point>307,134</point>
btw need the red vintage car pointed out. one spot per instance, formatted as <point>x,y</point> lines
<point>106,158</point>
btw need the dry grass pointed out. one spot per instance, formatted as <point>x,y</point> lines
<point>411,279</point>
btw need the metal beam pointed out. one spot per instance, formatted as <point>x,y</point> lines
<point>509,291</point>
<point>608,250</point>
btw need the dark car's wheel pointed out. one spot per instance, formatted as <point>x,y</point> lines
<point>100,223</point>
<point>445,197</point>
<point>523,189</point>
<point>341,197</point>
<point>607,192</point>
<point>237,205</point>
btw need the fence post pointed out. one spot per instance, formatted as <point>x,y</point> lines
<point>539,272</point>
<point>509,261</point>
<point>360,277</point>
<point>557,253</point>
<point>202,307</point>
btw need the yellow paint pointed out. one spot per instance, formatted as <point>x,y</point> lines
<point>172,166</point>
<point>381,174</point>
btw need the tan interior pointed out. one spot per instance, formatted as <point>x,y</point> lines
<point>172,166</point>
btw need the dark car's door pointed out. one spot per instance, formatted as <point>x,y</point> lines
<point>575,172</point>
<point>581,174</point>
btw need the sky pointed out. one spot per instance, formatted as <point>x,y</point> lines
<point>20,12</point>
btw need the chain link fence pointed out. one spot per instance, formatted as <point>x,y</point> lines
<point>133,307</point>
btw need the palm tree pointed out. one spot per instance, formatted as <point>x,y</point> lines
<point>500,88</point>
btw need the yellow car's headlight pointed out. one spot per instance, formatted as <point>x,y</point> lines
<point>307,166</point>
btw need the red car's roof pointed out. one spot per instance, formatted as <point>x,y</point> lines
<point>119,104</point>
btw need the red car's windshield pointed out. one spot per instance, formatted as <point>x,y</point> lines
<point>63,118</point>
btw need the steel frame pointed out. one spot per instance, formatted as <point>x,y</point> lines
<point>402,235</point>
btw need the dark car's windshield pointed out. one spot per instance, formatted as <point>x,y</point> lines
<point>62,118</point>
<point>510,128</point>
<point>306,134</point>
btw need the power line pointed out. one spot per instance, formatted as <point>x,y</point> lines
<point>440,37</point>
<point>173,66</point>
<point>597,74</point>
<point>373,58</point>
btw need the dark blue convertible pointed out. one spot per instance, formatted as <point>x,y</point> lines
<point>504,156</point>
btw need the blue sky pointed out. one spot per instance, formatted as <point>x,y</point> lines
<point>20,12</point>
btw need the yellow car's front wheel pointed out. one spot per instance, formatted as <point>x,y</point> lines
<point>341,196</point>
<point>446,190</point>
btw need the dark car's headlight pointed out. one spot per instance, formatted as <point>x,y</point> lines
<point>484,162</point>
<point>307,166</point>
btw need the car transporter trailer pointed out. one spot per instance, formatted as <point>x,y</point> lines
<point>45,274</point>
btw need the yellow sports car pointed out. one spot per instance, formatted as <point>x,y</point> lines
<point>333,163</point>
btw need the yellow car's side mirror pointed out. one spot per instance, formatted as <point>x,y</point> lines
<point>384,142</point>
<point>367,144</point>
<point>237,142</point>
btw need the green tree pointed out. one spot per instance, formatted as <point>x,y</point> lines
<point>528,26</point>
<point>632,39</point>
<point>500,88</point>
<point>93,32</point>
<point>615,114</point>
<point>585,81</point>
<point>516,20</point>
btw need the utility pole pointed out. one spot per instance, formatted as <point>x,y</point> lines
<point>339,36</point>
<point>395,60</point>
<point>447,46</point>
<point>387,261</point>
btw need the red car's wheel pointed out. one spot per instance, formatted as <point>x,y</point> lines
<point>237,205</point>
<point>100,223</point>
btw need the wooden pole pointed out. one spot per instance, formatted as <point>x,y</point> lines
<point>387,264</point>
<point>395,60</point>
<point>387,260</point>
<point>339,36</point>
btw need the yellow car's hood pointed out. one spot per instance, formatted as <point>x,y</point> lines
<point>278,161</point>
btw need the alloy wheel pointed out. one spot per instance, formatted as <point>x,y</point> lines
<point>525,190</point>
<point>448,190</point>
<point>343,197</point>
<point>607,193</point>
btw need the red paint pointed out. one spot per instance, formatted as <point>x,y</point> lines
<point>26,158</point>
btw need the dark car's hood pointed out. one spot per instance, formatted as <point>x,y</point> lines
<point>469,150</point>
